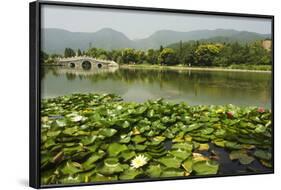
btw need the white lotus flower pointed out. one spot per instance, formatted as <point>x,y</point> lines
<point>139,161</point>
<point>77,118</point>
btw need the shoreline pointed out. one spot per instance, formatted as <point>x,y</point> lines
<point>185,68</point>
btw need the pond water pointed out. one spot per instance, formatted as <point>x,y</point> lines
<point>192,87</point>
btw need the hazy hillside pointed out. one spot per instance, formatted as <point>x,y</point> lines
<point>56,40</point>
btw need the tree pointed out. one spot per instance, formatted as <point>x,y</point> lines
<point>167,57</point>
<point>206,53</point>
<point>152,56</point>
<point>79,53</point>
<point>161,48</point>
<point>129,56</point>
<point>43,57</point>
<point>68,52</point>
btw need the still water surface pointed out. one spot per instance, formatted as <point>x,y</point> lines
<point>192,87</point>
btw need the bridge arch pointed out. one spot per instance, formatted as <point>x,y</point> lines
<point>99,65</point>
<point>86,65</point>
<point>72,65</point>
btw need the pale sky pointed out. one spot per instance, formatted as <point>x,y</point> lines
<point>141,24</point>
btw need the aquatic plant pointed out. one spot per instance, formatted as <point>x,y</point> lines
<point>98,137</point>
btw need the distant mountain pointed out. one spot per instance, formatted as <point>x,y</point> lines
<point>56,40</point>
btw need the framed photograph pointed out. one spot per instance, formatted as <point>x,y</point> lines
<point>132,94</point>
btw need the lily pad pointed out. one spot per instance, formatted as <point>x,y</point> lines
<point>242,156</point>
<point>262,154</point>
<point>172,172</point>
<point>100,177</point>
<point>205,167</point>
<point>187,165</point>
<point>130,174</point>
<point>170,161</point>
<point>111,166</point>
<point>71,168</point>
<point>115,148</point>
<point>138,139</point>
<point>154,171</point>
<point>92,159</point>
<point>108,132</point>
<point>203,147</point>
<point>180,153</point>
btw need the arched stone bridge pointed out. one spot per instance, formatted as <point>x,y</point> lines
<point>86,63</point>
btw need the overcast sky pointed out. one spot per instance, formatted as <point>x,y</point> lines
<point>141,24</point>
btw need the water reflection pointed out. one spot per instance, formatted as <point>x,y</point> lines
<point>193,87</point>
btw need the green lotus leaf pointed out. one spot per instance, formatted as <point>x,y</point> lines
<point>150,113</point>
<point>88,139</point>
<point>187,165</point>
<point>110,166</point>
<point>140,147</point>
<point>262,154</point>
<point>125,138</point>
<point>154,171</point>
<point>207,131</point>
<point>242,156</point>
<point>71,168</point>
<point>232,145</point>
<point>126,124</point>
<point>130,174</point>
<point>72,150</point>
<point>157,140</point>
<point>88,164</point>
<point>180,153</point>
<point>205,167</point>
<point>141,109</point>
<point>48,177</point>
<point>203,147</point>
<point>184,146</point>
<point>85,177</point>
<point>170,161</point>
<point>100,177</point>
<point>115,148</point>
<point>60,122</point>
<point>108,132</point>
<point>69,180</point>
<point>127,155</point>
<point>70,130</point>
<point>82,133</point>
<point>192,127</point>
<point>220,133</point>
<point>138,139</point>
<point>260,128</point>
<point>172,172</point>
<point>53,133</point>
<point>49,143</point>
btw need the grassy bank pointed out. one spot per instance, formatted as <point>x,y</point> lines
<point>233,68</point>
<point>93,137</point>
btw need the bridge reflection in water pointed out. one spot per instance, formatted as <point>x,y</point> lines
<point>84,72</point>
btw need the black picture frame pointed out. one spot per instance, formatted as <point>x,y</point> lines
<point>35,95</point>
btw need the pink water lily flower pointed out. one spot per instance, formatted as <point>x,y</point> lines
<point>229,114</point>
<point>261,110</point>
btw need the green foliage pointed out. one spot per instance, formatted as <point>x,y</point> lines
<point>43,57</point>
<point>79,53</point>
<point>205,54</point>
<point>167,57</point>
<point>68,52</point>
<point>96,137</point>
